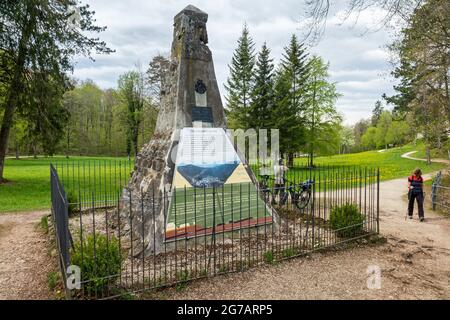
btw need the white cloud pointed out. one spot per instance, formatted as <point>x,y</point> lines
<point>370,86</point>
<point>376,55</point>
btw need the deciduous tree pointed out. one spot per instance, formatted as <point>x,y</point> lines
<point>319,98</point>
<point>38,38</point>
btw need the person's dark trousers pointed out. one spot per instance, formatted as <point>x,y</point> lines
<point>279,187</point>
<point>412,197</point>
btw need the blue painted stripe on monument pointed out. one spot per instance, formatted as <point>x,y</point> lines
<point>202,114</point>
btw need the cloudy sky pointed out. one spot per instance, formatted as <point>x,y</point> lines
<point>139,29</point>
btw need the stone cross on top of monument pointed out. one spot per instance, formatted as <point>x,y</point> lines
<point>192,98</point>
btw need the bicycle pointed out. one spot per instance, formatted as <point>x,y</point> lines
<point>300,193</point>
<point>265,188</point>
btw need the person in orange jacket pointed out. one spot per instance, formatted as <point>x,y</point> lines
<point>415,192</point>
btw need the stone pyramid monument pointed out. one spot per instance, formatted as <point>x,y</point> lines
<point>190,102</point>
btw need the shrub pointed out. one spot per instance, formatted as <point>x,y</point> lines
<point>288,253</point>
<point>52,280</point>
<point>72,199</point>
<point>347,220</point>
<point>203,273</point>
<point>223,268</point>
<point>183,277</point>
<point>268,257</point>
<point>100,259</point>
<point>43,224</point>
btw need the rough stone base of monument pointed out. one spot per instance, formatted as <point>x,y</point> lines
<point>143,199</point>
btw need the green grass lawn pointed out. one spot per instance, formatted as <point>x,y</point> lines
<point>28,186</point>
<point>391,164</point>
<point>346,167</point>
<point>29,179</point>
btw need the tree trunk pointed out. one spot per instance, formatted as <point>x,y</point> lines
<point>313,125</point>
<point>428,155</point>
<point>14,91</point>
<point>447,95</point>
<point>136,138</point>
<point>6,127</point>
<point>68,143</point>
<point>136,146</point>
<point>290,159</point>
<point>17,152</point>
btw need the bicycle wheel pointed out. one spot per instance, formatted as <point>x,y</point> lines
<point>283,198</point>
<point>302,199</point>
<point>266,195</point>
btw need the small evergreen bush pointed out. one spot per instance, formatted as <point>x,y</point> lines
<point>268,257</point>
<point>52,280</point>
<point>100,259</point>
<point>72,199</point>
<point>288,253</point>
<point>347,221</point>
<point>43,224</point>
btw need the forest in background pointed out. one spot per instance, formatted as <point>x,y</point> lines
<point>109,122</point>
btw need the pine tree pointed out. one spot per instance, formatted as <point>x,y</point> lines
<point>262,93</point>
<point>288,113</point>
<point>239,85</point>
<point>376,113</point>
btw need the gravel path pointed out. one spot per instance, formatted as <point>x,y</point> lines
<point>408,156</point>
<point>23,257</point>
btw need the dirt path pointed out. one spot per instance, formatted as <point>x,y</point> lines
<point>415,264</point>
<point>408,156</point>
<point>23,257</point>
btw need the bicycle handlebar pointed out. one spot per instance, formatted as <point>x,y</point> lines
<point>308,182</point>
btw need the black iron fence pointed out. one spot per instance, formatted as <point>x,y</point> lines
<point>127,243</point>
<point>60,207</point>
<point>84,178</point>
<point>440,194</point>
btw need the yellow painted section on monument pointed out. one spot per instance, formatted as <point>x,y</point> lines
<point>179,181</point>
<point>239,175</point>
